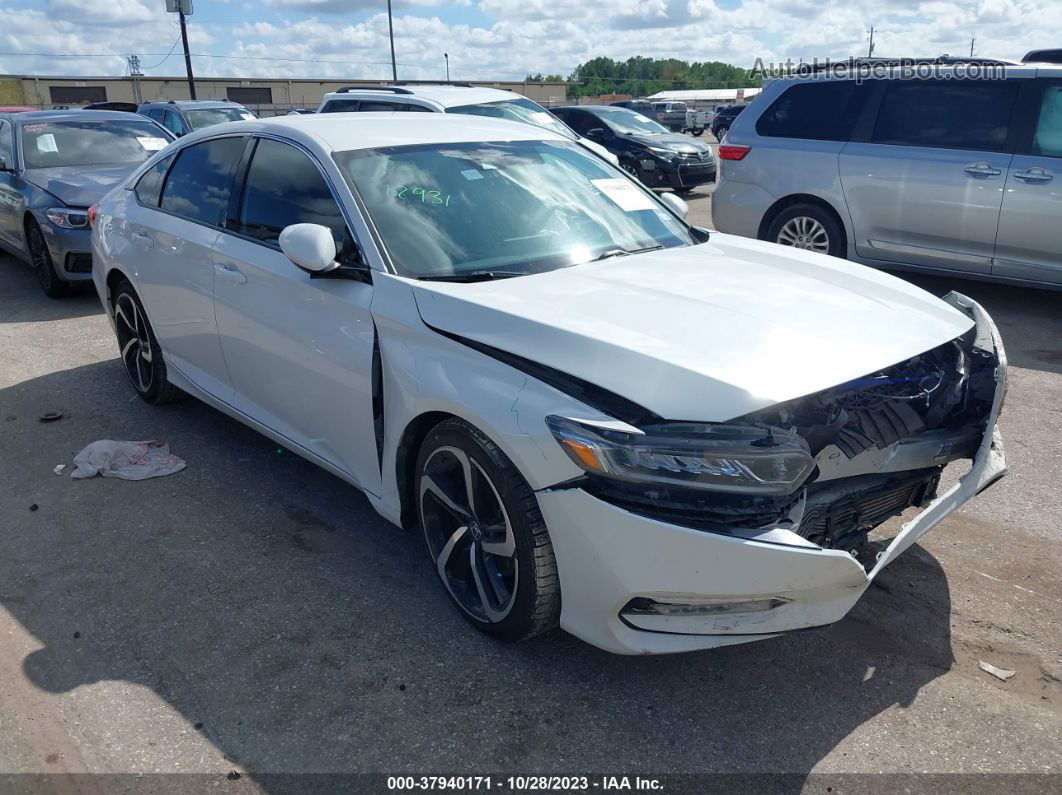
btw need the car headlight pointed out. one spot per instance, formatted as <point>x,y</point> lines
<point>731,458</point>
<point>67,217</point>
<point>664,154</point>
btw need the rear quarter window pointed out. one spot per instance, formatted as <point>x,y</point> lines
<point>821,111</point>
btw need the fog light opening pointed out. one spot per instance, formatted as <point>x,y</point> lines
<point>644,606</point>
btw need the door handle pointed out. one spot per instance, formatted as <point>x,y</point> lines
<point>229,272</point>
<point>1034,174</point>
<point>143,239</point>
<point>982,170</point>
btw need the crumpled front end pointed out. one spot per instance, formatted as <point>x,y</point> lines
<point>677,569</point>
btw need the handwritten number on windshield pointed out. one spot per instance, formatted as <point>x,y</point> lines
<point>423,195</point>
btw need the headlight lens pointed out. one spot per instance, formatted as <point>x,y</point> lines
<point>67,218</point>
<point>730,458</point>
<point>666,154</point>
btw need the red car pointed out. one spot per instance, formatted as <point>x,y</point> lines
<point>16,108</point>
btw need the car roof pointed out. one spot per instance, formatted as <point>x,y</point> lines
<point>340,132</point>
<point>193,103</point>
<point>593,108</point>
<point>71,115</point>
<point>448,96</point>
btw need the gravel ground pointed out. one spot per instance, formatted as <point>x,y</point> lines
<point>253,613</point>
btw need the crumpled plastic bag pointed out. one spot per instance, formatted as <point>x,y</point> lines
<point>126,460</point>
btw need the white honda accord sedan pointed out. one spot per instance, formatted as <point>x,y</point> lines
<point>659,438</point>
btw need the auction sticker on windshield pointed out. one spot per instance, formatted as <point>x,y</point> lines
<point>624,193</point>
<point>151,143</point>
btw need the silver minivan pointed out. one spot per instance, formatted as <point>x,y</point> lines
<point>946,173</point>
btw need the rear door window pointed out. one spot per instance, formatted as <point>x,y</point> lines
<point>285,187</point>
<point>1047,137</point>
<point>199,184</point>
<point>822,111</point>
<point>947,114</point>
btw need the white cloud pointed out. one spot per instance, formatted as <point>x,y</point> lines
<point>331,38</point>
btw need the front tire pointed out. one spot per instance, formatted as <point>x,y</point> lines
<point>485,534</point>
<point>698,132</point>
<point>139,349</point>
<point>631,168</point>
<point>41,257</point>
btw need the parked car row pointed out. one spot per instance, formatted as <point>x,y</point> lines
<point>946,175</point>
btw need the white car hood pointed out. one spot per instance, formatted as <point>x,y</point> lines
<point>708,332</point>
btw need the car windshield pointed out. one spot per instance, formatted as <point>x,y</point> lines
<point>90,143</point>
<point>517,110</point>
<point>627,122</point>
<point>208,117</point>
<point>489,210</point>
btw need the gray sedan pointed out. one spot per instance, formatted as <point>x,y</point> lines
<point>54,165</point>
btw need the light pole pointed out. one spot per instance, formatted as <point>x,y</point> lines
<point>391,33</point>
<point>446,56</point>
<point>187,55</point>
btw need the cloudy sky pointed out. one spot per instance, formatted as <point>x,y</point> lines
<point>502,39</point>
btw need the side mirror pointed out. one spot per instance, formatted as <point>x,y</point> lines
<point>597,134</point>
<point>4,166</point>
<point>675,204</point>
<point>310,246</point>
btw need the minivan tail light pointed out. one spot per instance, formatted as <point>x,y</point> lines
<point>93,211</point>
<point>732,152</point>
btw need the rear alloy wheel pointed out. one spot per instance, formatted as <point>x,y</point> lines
<point>807,227</point>
<point>139,349</point>
<point>630,168</point>
<point>53,286</point>
<point>485,534</point>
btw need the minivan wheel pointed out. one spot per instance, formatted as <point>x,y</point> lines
<point>53,286</point>
<point>630,168</point>
<point>485,534</point>
<point>697,133</point>
<point>139,349</point>
<point>807,227</point>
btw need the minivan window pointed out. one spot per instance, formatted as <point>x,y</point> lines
<point>5,144</point>
<point>285,187</point>
<point>199,183</point>
<point>947,114</point>
<point>1047,140</point>
<point>173,122</point>
<point>149,186</point>
<point>821,110</point>
<point>368,106</point>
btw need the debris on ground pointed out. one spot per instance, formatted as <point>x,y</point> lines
<point>59,469</point>
<point>999,673</point>
<point>50,416</point>
<point>126,460</point>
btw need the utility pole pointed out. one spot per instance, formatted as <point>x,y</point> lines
<point>136,74</point>
<point>972,46</point>
<point>187,55</point>
<point>870,52</point>
<point>391,34</point>
<point>446,55</point>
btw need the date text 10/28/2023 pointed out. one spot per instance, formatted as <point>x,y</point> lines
<point>523,783</point>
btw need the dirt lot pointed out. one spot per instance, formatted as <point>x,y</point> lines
<point>252,612</point>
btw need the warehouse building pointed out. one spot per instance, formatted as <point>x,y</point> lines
<point>266,97</point>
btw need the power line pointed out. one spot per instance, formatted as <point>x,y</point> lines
<point>160,63</point>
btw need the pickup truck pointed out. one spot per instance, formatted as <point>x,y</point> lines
<point>678,118</point>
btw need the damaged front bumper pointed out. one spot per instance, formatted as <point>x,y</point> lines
<point>636,585</point>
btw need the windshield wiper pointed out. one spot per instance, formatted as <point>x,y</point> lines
<point>624,252</point>
<point>472,276</point>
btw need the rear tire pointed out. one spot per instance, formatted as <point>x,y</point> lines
<point>809,227</point>
<point>485,534</point>
<point>139,349</point>
<point>41,258</point>
<point>697,133</point>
